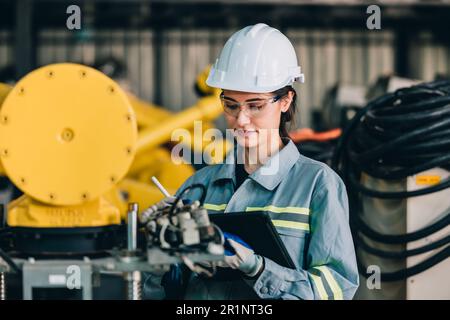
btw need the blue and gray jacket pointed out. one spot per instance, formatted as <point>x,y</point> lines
<point>308,205</point>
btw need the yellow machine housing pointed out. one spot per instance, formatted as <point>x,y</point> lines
<point>67,136</point>
<point>4,91</point>
<point>80,148</point>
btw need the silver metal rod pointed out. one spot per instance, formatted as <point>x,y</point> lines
<point>132,226</point>
<point>160,187</point>
<point>133,285</point>
<point>2,286</point>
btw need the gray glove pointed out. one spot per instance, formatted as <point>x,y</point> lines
<point>244,260</point>
<point>148,214</point>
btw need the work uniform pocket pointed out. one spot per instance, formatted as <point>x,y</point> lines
<point>296,242</point>
<point>292,224</point>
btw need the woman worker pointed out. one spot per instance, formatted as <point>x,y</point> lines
<point>306,200</point>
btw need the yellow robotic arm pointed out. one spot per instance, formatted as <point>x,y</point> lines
<point>4,90</point>
<point>69,140</point>
<point>68,134</point>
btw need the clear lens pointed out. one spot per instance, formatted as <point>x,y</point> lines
<point>230,107</point>
<point>251,108</point>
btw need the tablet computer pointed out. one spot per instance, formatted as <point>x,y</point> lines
<point>256,229</point>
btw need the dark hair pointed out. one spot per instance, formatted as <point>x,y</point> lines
<point>287,116</point>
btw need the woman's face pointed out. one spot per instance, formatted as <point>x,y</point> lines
<point>258,130</point>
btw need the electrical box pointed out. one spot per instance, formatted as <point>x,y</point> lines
<point>422,211</point>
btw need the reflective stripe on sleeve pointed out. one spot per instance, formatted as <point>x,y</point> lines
<point>286,217</point>
<point>331,281</point>
<point>299,210</point>
<point>319,285</point>
<point>215,207</point>
<point>291,224</point>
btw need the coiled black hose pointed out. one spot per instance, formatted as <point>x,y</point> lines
<point>401,254</point>
<point>395,136</point>
<point>403,238</point>
<point>411,271</point>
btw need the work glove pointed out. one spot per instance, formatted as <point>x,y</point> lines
<point>150,211</point>
<point>244,259</point>
<point>238,255</point>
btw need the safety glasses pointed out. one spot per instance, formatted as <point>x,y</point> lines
<point>253,108</point>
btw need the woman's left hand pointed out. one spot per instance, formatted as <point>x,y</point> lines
<point>244,260</point>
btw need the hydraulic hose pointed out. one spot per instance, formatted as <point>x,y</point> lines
<point>411,271</point>
<point>404,238</point>
<point>401,254</point>
<point>396,136</point>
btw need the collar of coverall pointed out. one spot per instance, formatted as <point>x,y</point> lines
<point>271,173</point>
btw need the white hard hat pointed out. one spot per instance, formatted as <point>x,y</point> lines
<point>256,59</point>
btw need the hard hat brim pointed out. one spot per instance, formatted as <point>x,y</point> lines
<point>252,89</point>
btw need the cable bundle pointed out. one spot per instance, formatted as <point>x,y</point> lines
<point>395,136</point>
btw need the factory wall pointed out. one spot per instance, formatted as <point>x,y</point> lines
<point>6,49</point>
<point>162,67</point>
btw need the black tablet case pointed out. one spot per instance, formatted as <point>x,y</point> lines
<point>256,229</point>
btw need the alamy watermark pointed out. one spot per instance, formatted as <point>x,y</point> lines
<point>373,282</point>
<point>73,22</point>
<point>261,148</point>
<point>373,22</point>
<point>73,280</point>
